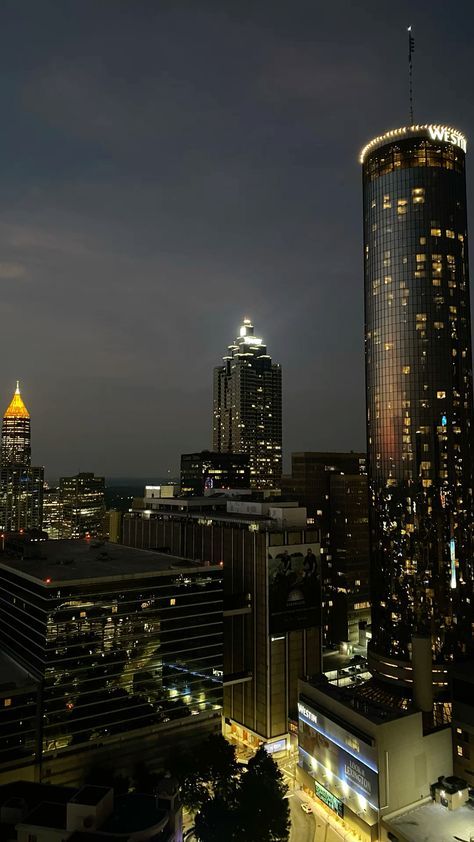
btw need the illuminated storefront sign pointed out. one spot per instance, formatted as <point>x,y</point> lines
<point>329,799</point>
<point>278,745</point>
<point>304,711</point>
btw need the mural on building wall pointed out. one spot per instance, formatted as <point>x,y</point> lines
<point>294,586</point>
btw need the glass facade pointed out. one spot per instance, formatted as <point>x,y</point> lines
<point>113,651</point>
<point>82,505</point>
<point>419,391</point>
<point>247,416</point>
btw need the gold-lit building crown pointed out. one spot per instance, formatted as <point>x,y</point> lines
<point>17,408</point>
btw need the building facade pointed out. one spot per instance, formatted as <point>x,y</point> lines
<point>247,415</point>
<point>82,505</point>
<point>125,645</point>
<point>419,395</point>
<point>272,599</point>
<point>333,487</point>
<point>204,471</point>
<point>21,485</point>
<point>352,758</point>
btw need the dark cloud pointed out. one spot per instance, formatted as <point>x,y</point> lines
<point>170,167</point>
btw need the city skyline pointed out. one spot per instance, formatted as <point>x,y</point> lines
<point>232,195</point>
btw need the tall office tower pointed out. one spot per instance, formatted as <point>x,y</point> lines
<point>82,505</point>
<point>21,485</point>
<point>16,432</point>
<point>247,407</point>
<point>333,487</point>
<point>419,397</point>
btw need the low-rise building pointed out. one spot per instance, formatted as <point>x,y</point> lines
<point>365,756</point>
<point>32,812</point>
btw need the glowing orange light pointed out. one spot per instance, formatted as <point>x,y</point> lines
<point>17,408</point>
<point>48,581</point>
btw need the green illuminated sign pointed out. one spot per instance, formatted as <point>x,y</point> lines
<point>330,800</point>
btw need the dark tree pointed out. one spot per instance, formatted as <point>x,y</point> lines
<point>219,766</point>
<point>263,812</point>
<point>216,822</point>
<point>208,771</point>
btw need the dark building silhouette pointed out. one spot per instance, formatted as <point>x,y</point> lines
<point>207,470</point>
<point>333,487</point>
<point>419,396</point>
<point>247,416</point>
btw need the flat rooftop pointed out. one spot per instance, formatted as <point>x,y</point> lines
<point>369,699</point>
<point>432,822</point>
<point>85,560</point>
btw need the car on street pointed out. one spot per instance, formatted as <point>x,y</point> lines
<point>306,807</point>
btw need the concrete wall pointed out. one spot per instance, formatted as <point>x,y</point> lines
<point>412,760</point>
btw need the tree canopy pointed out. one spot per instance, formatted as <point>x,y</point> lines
<point>241,803</point>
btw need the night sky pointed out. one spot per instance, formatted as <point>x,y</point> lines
<point>170,167</point>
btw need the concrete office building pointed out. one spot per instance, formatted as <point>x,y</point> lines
<point>272,598</point>
<point>363,759</point>
<point>333,487</point>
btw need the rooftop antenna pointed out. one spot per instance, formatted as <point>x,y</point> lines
<point>411,50</point>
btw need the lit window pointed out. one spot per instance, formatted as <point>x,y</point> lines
<point>420,258</point>
<point>7,703</point>
<point>450,234</point>
<point>422,241</point>
<point>441,395</point>
<point>406,369</point>
<point>402,206</point>
<point>436,232</point>
<point>418,195</point>
<point>173,600</point>
<point>439,325</point>
<point>386,202</point>
<point>459,750</point>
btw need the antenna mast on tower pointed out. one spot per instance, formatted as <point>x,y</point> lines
<point>411,50</point>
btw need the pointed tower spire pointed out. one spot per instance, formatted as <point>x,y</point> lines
<point>17,408</point>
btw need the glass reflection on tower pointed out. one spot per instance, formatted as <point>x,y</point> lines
<point>419,390</point>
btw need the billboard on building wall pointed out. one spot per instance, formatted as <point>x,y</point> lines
<point>294,587</point>
<point>345,764</point>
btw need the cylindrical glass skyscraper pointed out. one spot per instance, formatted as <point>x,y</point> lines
<point>419,396</point>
